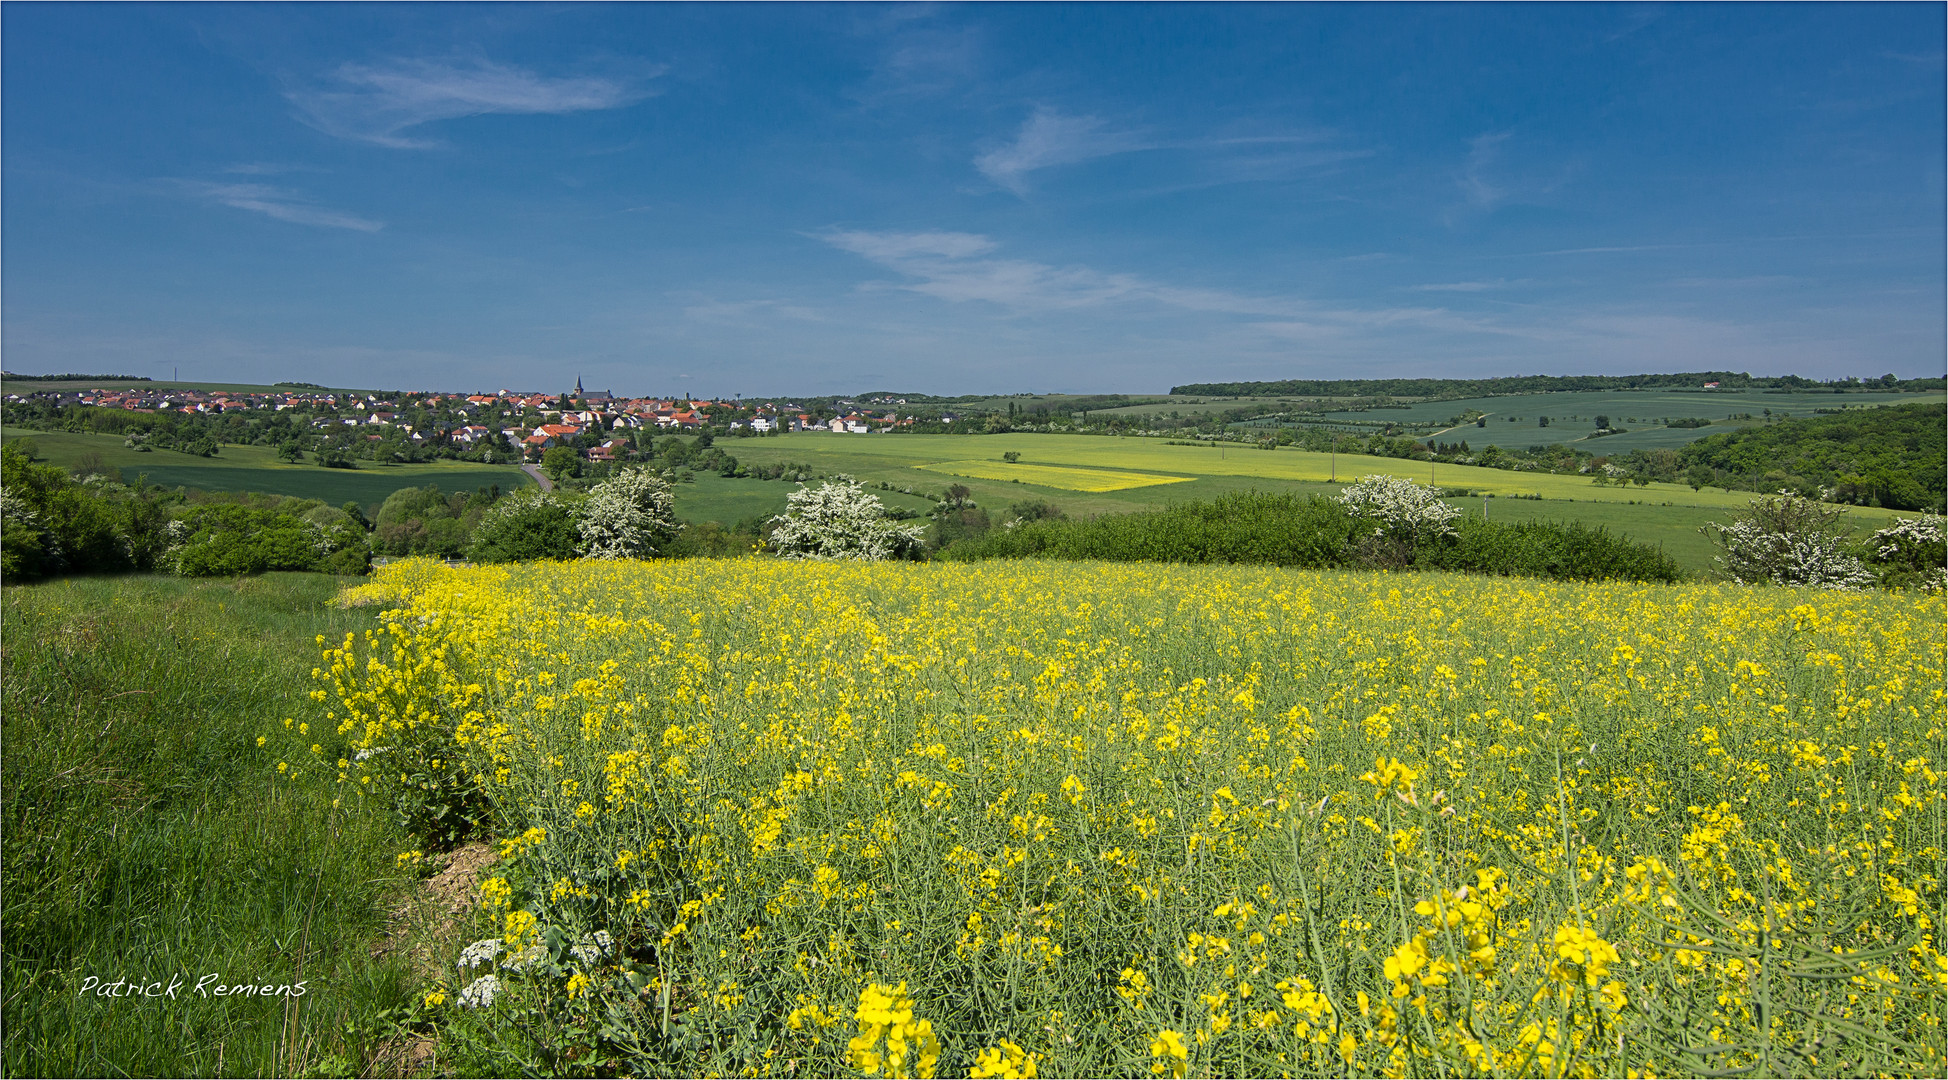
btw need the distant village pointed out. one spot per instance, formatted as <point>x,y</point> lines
<point>597,423</point>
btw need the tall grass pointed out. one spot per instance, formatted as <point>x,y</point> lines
<point>147,838</point>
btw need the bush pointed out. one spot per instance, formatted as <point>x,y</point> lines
<point>1547,549</point>
<point>1911,554</point>
<point>630,516</point>
<point>527,525</point>
<point>1246,527</point>
<point>1789,540</point>
<point>841,520</point>
<point>232,539</point>
<point>1319,533</point>
<point>53,523</point>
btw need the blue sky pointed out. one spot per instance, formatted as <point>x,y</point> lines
<point>807,199</point>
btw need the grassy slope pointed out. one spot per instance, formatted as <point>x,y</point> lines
<point>256,468</point>
<point>1637,512</point>
<point>145,838</point>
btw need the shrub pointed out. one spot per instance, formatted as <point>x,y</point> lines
<point>841,520</point>
<point>1547,549</point>
<point>529,524</point>
<point>233,539</point>
<point>1244,527</point>
<point>1911,554</point>
<point>629,516</point>
<point>1789,540</point>
<point>1319,533</point>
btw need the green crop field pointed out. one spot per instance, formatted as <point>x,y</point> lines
<point>1514,420</point>
<point>1667,514</point>
<point>257,468</point>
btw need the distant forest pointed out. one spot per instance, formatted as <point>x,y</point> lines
<point>1535,384</point>
<point>1895,456</point>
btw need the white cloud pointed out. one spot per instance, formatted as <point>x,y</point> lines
<point>1047,139</point>
<point>1467,286</point>
<point>1483,152</point>
<point>280,203</point>
<point>380,103</point>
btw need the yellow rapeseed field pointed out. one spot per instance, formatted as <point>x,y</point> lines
<point>1055,476</point>
<point>1013,819</point>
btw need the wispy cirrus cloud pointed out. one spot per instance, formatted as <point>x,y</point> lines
<point>382,103</point>
<point>1468,286</point>
<point>1049,138</point>
<point>281,203</point>
<point>960,267</point>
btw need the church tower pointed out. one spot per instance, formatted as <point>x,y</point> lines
<point>578,386</point>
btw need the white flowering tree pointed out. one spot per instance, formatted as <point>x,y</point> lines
<point>631,515</point>
<point>1790,540</point>
<point>1399,507</point>
<point>841,520</point>
<point>1912,552</point>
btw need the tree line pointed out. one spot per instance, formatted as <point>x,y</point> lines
<point>1533,384</point>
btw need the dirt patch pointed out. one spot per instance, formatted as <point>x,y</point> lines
<point>457,886</point>
<point>402,1057</point>
<point>430,917</point>
<point>429,923</point>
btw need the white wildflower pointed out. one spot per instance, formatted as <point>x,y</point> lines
<point>481,992</point>
<point>594,947</point>
<point>480,952</point>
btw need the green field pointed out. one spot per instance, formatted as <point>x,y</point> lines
<point>1666,514</point>
<point>257,468</point>
<point>1514,420</point>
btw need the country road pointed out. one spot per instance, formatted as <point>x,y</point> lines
<point>539,477</point>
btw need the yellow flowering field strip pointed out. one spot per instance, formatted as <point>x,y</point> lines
<point>1055,476</point>
<point>1113,819</point>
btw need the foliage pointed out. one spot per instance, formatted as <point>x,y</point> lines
<point>1895,457</point>
<point>1788,540</point>
<point>1208,821</point>
<point>529,524</point>
<point>841,520</point>
<point>428,521</point>
<point>1319,533</point>
<point>1912,553</point>
<point>52,523</point>
<point>1244,527</point>
<point>632,515</point>
<point>561,462</point>
<point>221,539</point>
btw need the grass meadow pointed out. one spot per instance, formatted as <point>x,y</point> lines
<point>148,840</point>
<point>759,817</point>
